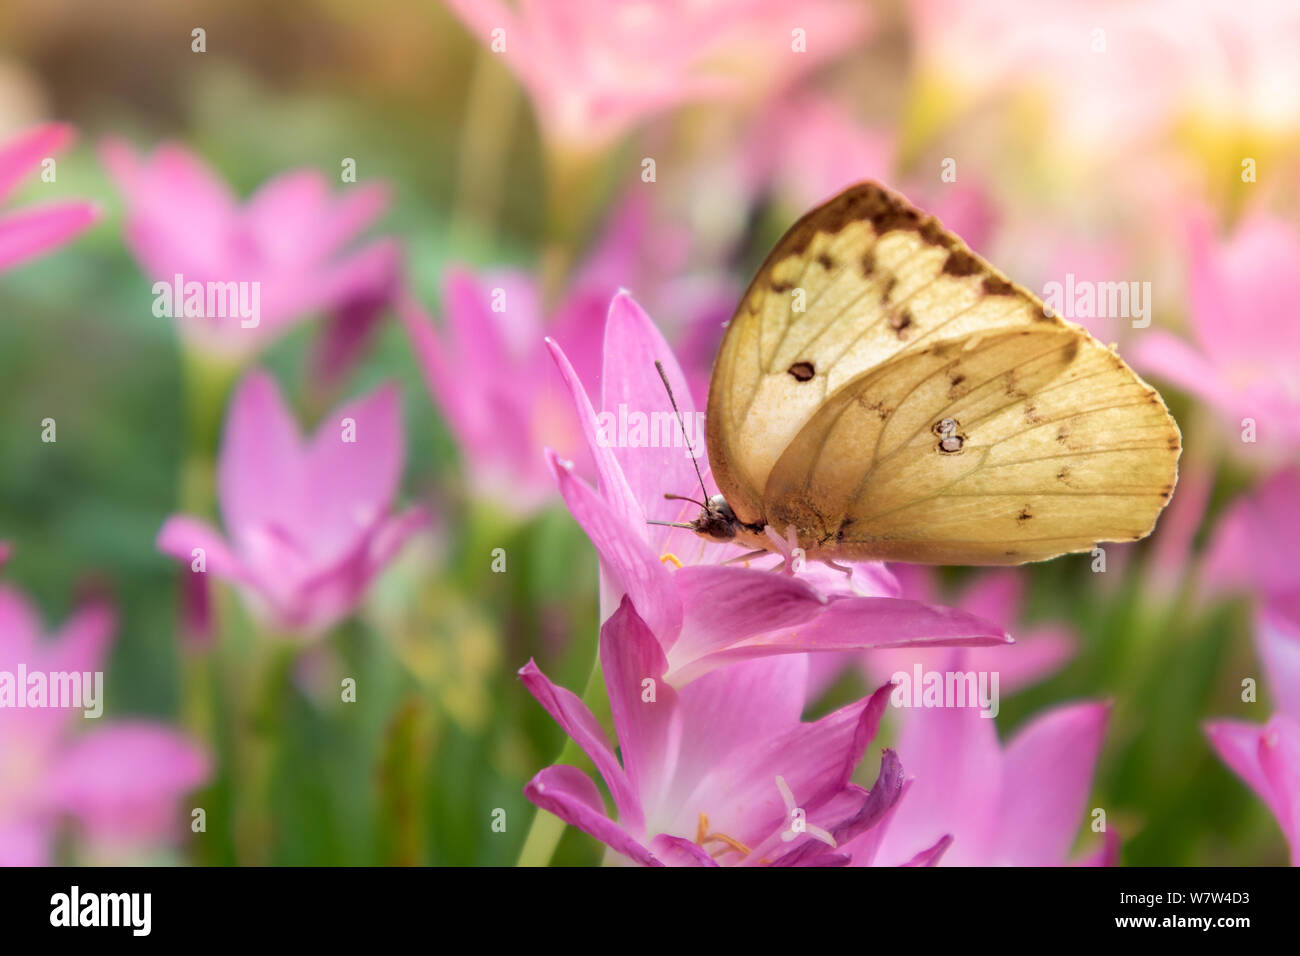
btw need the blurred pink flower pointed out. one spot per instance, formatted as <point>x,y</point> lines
<point>490,375</point>
<point>292,238</point>
<point>1018,805</point>
<point>1243,295</point>
<point>707,613</point>
<point>1267,758</point>
<point>491,378</point>
<point>120,782</point>
<point>37,229</point>
<point>720,773</point>
<point>997,597</point>
<point>309,524</point>
<point>595,69</point>
<point>1253,551</point>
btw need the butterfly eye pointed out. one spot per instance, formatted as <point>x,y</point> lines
<point>802,371</point>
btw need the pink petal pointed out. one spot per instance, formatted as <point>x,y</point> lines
<point>632,568</point>
<point>567,710</point>
<point>22,153</point>
<point>349,485</point>
<point>260,467</point>
<point>678,851</point>
<point>180,535</point>
<point>648,729</point>
<point>38,229</point>
<point>631,382</point>
<point>1047,777</point>
<point>127,779</point>
<point>569,793</point>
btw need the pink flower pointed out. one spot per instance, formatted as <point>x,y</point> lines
<point>494,383</point>
<point>38,229</point>
<point>706,613</point>
<point>1018,805</point>
<point>1243,294</point>
<point>288,245</point>
<point>309,524</point>
<point>1253,551</point>
<point>719,773</point>
<point>121,782</point>
<point>595,69</point>
<point>997,597</point>
<point>1268,759</point>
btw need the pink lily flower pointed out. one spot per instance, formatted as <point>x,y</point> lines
<point>1267,758</point>
<point>292,239</point>
<point>594,69</point>
<point>1253,552</point>
<point>309,523</point>
<point>721,773</point>
<point>1243,291</point>
<point>1018,805</point>
<point>121,783</point>
<point>38,229</point>
<point>707,613</point>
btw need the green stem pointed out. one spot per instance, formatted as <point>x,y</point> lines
<point>259,722</point>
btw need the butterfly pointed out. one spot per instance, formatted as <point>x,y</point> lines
<point>883,393</point>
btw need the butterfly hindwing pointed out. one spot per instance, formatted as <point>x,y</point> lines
<point>996,448</point>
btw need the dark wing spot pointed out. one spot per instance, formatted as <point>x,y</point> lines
<point>802,371</point>
<point>995,285</point>
<point>782,287</point>
<point>1024,515</point>
<point>868,263</point>
<point>825,261</point>
<point>961,263</point>
<point>901,322</point>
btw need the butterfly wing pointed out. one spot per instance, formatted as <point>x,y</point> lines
<point>995,448</point>
<point>855,282</point>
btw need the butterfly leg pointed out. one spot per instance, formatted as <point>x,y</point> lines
<point>747,556</point>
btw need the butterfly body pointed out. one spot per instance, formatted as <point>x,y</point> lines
<point>885,394</point>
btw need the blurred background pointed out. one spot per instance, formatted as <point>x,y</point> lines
<point>1106,140</point>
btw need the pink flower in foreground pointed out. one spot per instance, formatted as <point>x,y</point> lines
<point>121,782</point>
<point>309,523</point>
<point>719,773</point>
<point>1018,805</point>
<point>1267,758</point>
<point>286,248</point>
<point>596,68</point>
<point>1242,362</point>
<point>37,229</point>
<point>706,613</point>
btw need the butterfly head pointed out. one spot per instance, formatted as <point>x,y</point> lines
<point>716,520</point>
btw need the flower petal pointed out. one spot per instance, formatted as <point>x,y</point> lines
<point>570,794</point>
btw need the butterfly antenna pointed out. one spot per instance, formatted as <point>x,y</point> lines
<point>682,425</point>
<point>669,496</point>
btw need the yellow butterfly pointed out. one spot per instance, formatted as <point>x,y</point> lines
<point>883,393</point>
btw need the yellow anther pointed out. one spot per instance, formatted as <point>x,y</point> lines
<point>669,556</point>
